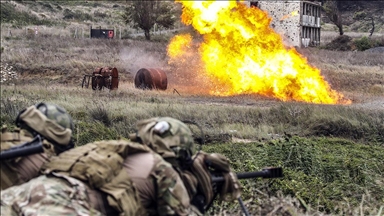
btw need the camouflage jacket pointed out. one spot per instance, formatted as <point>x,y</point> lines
<point>133,178</point>
<point>160,187</point>
<point>20,169</point>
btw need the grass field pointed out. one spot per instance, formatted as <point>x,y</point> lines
<point>331,154</point>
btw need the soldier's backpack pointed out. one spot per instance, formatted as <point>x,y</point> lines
<point>100,166</point>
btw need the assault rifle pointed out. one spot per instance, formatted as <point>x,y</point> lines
<point>270,172</point>
<point>28,148</point>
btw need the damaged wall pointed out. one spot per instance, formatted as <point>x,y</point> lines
<point>298,22</point>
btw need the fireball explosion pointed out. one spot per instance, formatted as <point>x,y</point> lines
<point>242,54</point>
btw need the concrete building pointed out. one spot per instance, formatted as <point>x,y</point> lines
<point>298,21</point>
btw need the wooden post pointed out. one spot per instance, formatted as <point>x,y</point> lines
<point>75,36</point>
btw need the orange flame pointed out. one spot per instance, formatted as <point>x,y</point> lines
<point>179,45</point>
<point>293,13</point>
<point>242,54</point>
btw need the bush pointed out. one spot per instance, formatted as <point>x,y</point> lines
<point>359,15</point>
<point>363,43</point>
<point>341,43</point>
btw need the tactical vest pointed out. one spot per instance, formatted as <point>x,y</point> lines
<point>100,166</point>
<point>18,170</point>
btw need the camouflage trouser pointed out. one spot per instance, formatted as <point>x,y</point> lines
<point>47,196</point>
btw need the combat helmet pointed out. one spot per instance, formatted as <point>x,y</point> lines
<point>169,137</point>
<point>50,121</point>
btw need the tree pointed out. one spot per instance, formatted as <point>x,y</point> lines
<point>332,11</point>
<point>366,17</point>
<point>145,14</point>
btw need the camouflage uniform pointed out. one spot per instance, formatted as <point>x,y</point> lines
<point>47,196</point>
<point>173,140</point>
<point>160,187</point>
<point>160,190</point>
<point>50,122</point>
<point>157,182</point>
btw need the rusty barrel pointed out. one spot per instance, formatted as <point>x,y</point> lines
<point>105,77</point>
<point>151,78</point>
<point>115,79</point>
<point>96,79</point>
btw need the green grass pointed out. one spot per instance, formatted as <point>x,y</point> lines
<point>325,174</point>
<point>119,111</point>
<point>331,155</point>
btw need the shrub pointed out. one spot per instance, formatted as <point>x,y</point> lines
<point>359,15</point>
<point>101,114</point>
<point>363,43</point>
<point>341,43</point>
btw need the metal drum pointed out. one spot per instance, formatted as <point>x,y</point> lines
<point>107,77</point>
<point>151,78</point>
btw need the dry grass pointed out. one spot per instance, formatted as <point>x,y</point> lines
<point>52,55</point>
<point>328,36</point>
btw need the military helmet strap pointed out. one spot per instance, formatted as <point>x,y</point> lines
<point>200,140</point>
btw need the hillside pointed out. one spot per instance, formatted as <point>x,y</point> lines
<point>61,14</point>
<point>108,14</point>
<point>356,16</point>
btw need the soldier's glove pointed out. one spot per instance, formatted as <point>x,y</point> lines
<point>199,202</point>
<point>202,168</point>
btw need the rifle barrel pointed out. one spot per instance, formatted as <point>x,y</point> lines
<point>28,148</point>
<point>274,172</point>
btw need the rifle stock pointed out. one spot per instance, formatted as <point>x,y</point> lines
<point>28,148</point>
